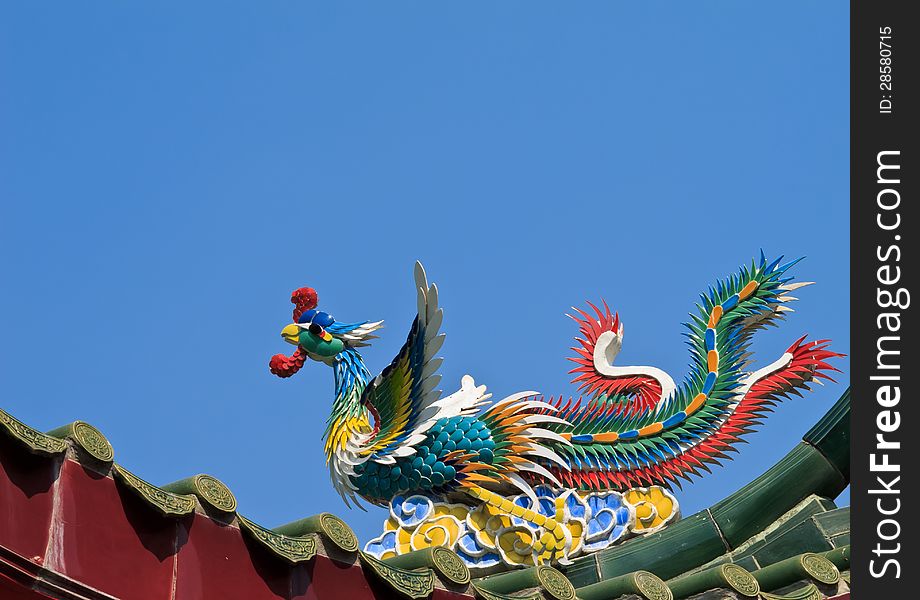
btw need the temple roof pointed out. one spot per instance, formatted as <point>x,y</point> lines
<point>75,524</point>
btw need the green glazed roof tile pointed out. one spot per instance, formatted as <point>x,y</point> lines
<point>210,491</point>
<point>755,553</point>
<point>552,582</point>
<point>583,571</point>
<point>87,438</point>
<point>445,562</point>
<point>799,474</point>
<point>834,522</point>
<point>293,549</point>
<point>639,583</point>
<point>808,592</point>
<point>167,503</point>
<point>487,595</point>
<point>410,583</point>
<point>330,526</point>
<point>34,440</point>
<point>676,549</point>
<point>730,576</point>
<point>752,521</point>
<point>785,497</point>
<point>820,568</point>
<point>804,537</point>
<point>797,568</point>
<point>831,435</point>
<point>748,562</point>
<point>840,557</point>
<point>807,509</point>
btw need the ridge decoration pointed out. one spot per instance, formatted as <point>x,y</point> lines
<point>530,480</point>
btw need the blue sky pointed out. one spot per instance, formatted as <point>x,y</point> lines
<point>169,173</point>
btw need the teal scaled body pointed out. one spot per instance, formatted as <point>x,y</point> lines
<point>427,471</point>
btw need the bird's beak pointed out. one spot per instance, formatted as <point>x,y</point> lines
<point>291,334</point>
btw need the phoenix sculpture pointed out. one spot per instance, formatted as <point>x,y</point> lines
<point>396,436</point>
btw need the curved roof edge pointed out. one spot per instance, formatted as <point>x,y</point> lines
<point>68,478</point>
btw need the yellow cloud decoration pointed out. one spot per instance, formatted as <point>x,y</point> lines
<point>575,523</point>
<point>655,508</point>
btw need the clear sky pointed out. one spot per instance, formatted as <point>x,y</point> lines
<point>170,171</point>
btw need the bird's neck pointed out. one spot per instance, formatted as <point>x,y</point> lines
<point>349,416</point>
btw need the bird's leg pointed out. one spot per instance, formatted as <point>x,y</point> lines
<point>556,536</point>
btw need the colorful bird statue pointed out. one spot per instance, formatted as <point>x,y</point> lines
<point>395,434</point>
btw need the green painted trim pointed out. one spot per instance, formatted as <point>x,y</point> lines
<point>485,594</point>
<point>445,562</point>
<point>34,440</point>
<point>413,584</point>
<point>641,583</point>
<point>804,566</point>
<point>166,502</point>
<point>330,526</point>
<point>728,576</point>
<point>293,549</point>
<point>809,592</point>
<point>210,490</point>
<point>88,438</point>
<point>551,581</point>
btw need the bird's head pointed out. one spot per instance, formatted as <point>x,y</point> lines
<point>317,335</point>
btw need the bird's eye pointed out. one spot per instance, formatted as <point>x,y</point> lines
<point>307,316</point>
<point>323,319</point>
<point>315,329</point>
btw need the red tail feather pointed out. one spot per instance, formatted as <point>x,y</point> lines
<point>644,392</point>
<point>808,363</point>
